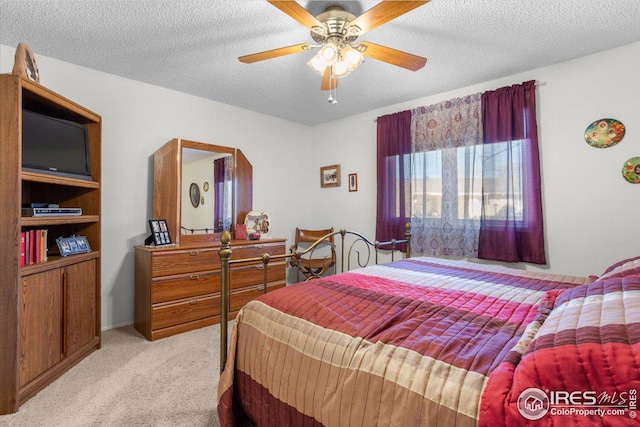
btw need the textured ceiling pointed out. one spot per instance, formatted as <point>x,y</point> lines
<point>192,46</point>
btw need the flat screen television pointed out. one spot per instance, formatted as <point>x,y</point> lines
<point>55,146</point>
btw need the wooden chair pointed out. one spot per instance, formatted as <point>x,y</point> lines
<point>318,260</point>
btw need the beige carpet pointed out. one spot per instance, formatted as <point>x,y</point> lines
<point>133,382</point>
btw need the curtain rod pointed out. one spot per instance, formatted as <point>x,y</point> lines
<point>538,83</point>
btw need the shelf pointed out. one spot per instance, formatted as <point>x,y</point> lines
<point>31,221</point>
<point>47,99</point>
<point>56,261</point>
<point>60,180</point>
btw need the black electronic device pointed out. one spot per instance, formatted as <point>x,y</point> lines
<point>55,146</point>
<point>50,211</point>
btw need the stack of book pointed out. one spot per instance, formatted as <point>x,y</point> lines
<point>33,246</point>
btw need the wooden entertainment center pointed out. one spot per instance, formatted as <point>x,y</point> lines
<point>49,311</point>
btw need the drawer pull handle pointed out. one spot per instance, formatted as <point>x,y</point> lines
<point>194,253</point>
<point>260,267</point>
<point>259,246</point>
<point>193,301</point>
<point>261,288</point>
<point>194,276</point>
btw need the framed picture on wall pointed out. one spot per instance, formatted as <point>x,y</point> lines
<point>353,182</point>
<point>330,176</point>
<point>159,232</point>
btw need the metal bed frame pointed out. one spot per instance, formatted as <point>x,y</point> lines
<point>362,261</point>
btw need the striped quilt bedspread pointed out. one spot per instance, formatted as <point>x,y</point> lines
<point>582,366</point>
<point>409,343</point>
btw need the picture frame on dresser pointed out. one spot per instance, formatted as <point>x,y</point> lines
<point>159,233</point>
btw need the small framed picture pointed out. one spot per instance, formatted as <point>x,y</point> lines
<point>25,63</point>
<point>353,182</point>
<point>194,194</point>
<point>63,246</point>
<point>160,232</point>
<point>73,245</point>
<point>330,176</point>
<point>241,231</point>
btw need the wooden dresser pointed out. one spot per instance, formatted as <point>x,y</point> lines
<point>178,287</point>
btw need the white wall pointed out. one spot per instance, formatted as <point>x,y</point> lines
<point>138,119</point>
<point>590,211</point>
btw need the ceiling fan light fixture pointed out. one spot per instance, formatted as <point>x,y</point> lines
<point>317,64</point>
<point>335,32</point>
<point>329,53</point>
<point>340,69</point>
<point>352,57</point>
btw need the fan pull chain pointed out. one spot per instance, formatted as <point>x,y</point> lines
<point>332,100</point>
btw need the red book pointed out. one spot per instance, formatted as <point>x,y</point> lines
<point>32,246</point>
<point>36,237</point>
<point>27,249</point>
<point>23,243</point>
<point>45,247</point>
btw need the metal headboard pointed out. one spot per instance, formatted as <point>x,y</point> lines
<point>359,240</point>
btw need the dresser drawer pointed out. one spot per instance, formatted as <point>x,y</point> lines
<point>165,315</point>
<point>171,288</point>
<point>238,298</point>
<point>257,250</point>
<point>184,261</point>
<point>251,275</point>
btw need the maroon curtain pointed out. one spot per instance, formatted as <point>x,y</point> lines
<point>393,165</point>
<point>218,186</point>
<point>511,225</point>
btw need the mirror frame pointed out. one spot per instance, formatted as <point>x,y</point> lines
<point>167,188</point>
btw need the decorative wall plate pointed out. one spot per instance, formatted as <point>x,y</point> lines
<point>604,133</point>
<point>258,222</point>
<point>631,170</point>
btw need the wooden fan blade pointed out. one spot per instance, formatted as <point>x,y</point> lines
<point>393,56</point>
<point>274,53</point>
<point>383,12</point>
<point>327,82</point>
<point>297,12</point>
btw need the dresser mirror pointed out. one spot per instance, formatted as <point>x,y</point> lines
<point>206,191</point>
<point>201,189</point>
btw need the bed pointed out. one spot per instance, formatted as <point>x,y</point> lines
<point>432,342</point>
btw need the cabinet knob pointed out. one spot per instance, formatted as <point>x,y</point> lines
<point>261,288</point>
<point>194,253</point>
<point>194,276</point>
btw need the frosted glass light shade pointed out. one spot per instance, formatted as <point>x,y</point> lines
<point>317,64</point>
<point>340,69</point>
<point>352,57</point>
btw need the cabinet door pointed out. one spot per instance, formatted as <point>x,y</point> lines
<point>79,281</point>
<point>40,324</point>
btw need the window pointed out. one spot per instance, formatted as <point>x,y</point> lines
<point>472,186</point>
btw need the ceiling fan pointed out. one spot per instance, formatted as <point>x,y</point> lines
<point>335,32</point>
